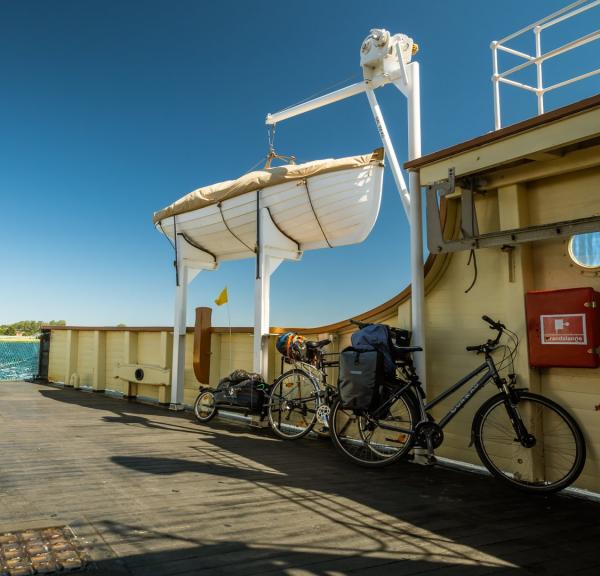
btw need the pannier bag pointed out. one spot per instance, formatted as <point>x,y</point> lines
<point>360,376</point>
<point>378,337</point>
<point>241,389</point>
<point>292,346</point>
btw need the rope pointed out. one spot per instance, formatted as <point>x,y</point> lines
<point>231,231</point>
<point>473,257</point>
<point>315,213</point>
<point>176,255</point>
<point>195,244</point>
<point>324,90</point>
<point>165,234</point>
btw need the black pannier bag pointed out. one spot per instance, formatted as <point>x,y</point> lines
<point>241,390</point>
<point>361,373</point>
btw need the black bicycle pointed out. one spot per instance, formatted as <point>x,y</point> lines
<point>522,438</point>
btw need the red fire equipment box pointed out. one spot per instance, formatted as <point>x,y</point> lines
<point>563,327</point>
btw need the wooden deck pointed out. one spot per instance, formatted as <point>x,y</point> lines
<point>154,494</point>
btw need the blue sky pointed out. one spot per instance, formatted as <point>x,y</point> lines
<point>110,110</point>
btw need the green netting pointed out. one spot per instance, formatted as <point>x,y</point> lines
<point>18,360</point>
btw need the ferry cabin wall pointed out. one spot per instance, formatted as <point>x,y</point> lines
<point>453,317</point>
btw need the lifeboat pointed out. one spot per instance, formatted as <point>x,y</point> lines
<point>319,204</point>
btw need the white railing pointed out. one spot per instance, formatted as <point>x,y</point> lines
<point>539,58</point>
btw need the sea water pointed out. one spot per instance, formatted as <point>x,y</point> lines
<point>18,360</point>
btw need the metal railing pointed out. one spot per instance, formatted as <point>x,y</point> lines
<point>539,58</point>
<point>18,359</point>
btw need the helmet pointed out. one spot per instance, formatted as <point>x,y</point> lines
<point>292,346</point>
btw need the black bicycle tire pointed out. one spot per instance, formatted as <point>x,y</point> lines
<point>276,430</point>
<point>408,399</point>
<point>208,418</point>
<point>579,463</point>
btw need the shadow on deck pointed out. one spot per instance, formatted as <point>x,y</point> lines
<point>155,493</point>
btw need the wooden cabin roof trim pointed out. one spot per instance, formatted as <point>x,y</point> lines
<point>502,133</point>
<point>568,131</point>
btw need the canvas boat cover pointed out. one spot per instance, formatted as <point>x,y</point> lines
<point>259,179</point>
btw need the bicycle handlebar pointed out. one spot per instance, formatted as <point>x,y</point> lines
<point>493,324</point>
<point>490,344</point>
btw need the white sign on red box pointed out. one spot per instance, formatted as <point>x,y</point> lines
<point>563,329</point>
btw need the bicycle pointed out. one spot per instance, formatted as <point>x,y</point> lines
<point>522,438</point>
<point>300,399</point>
<point>297,402</point>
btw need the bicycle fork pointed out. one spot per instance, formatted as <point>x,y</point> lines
<point>511,402</point>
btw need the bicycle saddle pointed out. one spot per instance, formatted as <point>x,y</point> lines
<point>317,344</point>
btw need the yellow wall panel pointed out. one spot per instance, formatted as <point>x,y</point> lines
<point>149,350</point>
<point>85,358</point>
<point>115,354</point>
<point>574,195</point>
<point>58,352</point>
<point>190,382</point>
<point>236,352</point>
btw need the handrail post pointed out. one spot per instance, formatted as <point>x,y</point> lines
<point>537,31</point>
<point>496,83</point>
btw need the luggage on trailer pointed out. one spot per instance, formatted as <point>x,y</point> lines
<point>241,390</point>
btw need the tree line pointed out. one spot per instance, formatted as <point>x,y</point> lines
<point>28,327</point>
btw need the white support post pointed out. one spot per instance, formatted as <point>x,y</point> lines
<point>416,223</point>
<point>273,248</point>
<point>262,309</point>
<point>179,329</point>
<point>389,151</point>
<point>190,262</point>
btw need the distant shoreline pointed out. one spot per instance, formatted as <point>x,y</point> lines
<point>18,339</point>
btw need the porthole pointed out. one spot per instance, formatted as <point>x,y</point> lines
<point>584,250</point>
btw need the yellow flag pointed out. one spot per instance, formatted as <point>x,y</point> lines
<point>222,297</point>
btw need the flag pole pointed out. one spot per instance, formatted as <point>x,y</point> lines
<point>229,322</point>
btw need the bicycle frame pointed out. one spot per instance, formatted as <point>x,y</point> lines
<point>489,373</point>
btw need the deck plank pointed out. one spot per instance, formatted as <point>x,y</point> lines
<point>154,493</point>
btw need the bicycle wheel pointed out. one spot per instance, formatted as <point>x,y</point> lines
<point>204,406</point>
<point>375,442</point>
<point>556,457</point>
<point>293,403</point>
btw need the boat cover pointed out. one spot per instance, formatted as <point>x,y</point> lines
<point>259,179</point>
